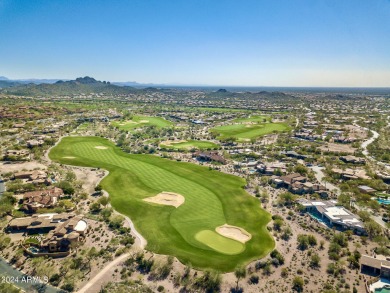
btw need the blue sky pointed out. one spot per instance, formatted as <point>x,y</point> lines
<point>249,43</point>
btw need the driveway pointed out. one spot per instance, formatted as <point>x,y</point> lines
<point>320,175</point>
<point>2,186</point>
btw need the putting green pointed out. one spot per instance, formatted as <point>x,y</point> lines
<point>219,243</point>
<point>212,199</point>
<point>190,144</point>
<point>142,121</point>
<point>248,128</point>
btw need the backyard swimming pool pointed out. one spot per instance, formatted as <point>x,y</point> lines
<point>33,249</point>
<point>319,219</point>
<point>383,201</point>
<point>383,290</point>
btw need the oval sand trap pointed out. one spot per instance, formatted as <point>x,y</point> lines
<point>172,142</point>
<point>167,198</point>
<point>100,147</point>
<point>69,157</point>
<point>234,232</point>
<point>144,121</point>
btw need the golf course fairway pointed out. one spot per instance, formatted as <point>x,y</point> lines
<point>245,129</point>
<point>211,199</point>
<point>140,122</point>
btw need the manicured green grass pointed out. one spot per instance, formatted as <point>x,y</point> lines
<point>31,240</point>
<point>221,110</point>
<point>142,121</point>
<point>254,119</point>
<point>248,128</point>
<point>84,125</point>
<point>212,199</point>
<point>190,144</point>
<point>219,243</point>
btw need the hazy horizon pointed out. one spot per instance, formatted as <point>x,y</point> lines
<point>331,89</point>
<point>200,43</point>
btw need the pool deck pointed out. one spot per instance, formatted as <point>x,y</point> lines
<point>320,221</point>
<point>379,285</point>
<point>386,201</point>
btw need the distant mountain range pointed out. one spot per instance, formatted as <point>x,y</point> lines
<point>81,85</point>
<point>138,85</point>
<point>39,81</point>
<point>86,85</point>
<point>7,83</point>
<point>28,80</point>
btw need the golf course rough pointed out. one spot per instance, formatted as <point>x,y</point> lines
<point>245,129</point>
<point>212,199</point>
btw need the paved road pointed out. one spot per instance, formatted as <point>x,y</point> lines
<point>320,175</point>
<point>376,218</point>
<point>140,241</point>
<point>2,186</point>
<point>369,141</point>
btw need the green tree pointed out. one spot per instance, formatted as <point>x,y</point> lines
<point>70,176</point>
<point>286,198</point>
<point>104,200</point>
<point>303,241</point>
<point>312,240</point>
<point>66,187</point>
<point>286,233</point>
<point>298,284</point>
<point>315,260</point>
<point>301,169</point>
<point>373,229</point>
<point>240,273</point>
<point>278,223</point>
<point>116,221</point>
<point>95,207</point>
<point>344,200</point>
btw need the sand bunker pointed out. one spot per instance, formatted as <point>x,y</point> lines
<point>100,147</point>
<point>69,157</point>
<point>127,122</point>
<point>167,198</point>
<point>171,142</point>
<point>234,232</point>
<point>144,121</point>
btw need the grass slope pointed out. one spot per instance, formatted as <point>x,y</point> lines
<point>248,128</point>
<point>142,121</point>
<point>190,144</point>
<point>211,199</point>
